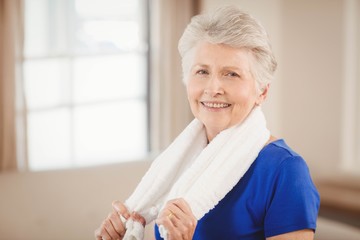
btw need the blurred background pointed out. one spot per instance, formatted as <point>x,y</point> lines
<point>91,92</point>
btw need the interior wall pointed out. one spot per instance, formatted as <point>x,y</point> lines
<point>305,100</point>
<point>313,71</point>
<point>63,204</point>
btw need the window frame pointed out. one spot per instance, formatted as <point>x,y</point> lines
<point>70,56</point>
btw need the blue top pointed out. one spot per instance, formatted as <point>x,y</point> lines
<point>275,196</point>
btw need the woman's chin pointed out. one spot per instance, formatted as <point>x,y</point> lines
<point>215,125</point>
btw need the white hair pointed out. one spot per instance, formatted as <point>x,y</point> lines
<point>233,27</point>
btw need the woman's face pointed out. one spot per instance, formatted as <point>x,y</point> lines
<point>221,88</point>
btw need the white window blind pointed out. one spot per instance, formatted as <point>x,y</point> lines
<point>85,75</point>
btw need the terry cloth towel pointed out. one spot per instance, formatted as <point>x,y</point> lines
<point>200,173</point>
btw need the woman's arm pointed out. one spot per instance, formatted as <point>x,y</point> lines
<point>305,234</point>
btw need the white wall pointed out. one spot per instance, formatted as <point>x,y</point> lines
<point>306,98</point>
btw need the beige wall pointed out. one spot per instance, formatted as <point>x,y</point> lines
<point>64,204</point>
<point>313,71</point>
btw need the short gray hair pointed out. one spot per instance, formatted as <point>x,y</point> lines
<point>233,27</point>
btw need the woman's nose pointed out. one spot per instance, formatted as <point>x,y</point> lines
<point>214,87</point>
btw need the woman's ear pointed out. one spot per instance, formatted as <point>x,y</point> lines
<point>264,92</point>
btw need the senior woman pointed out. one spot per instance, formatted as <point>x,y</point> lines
<point>225,176</point>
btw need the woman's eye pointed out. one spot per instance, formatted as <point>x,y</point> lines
<point>201,72</point>
<point>232,74</point>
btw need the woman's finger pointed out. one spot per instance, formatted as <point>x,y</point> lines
<point>101,233</point>
<point>110,229</point>
<point>172,231</point>
<point>137,217</point>
<point>117,223</point>
<point>175,215</point>
<point>178,219</point>
<point>98,234</point>
<point>121,209</point>
<point>165,219</point>
<point>185,223</point>
<point>183,205</point>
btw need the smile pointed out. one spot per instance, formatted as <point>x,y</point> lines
<point>215,105</point>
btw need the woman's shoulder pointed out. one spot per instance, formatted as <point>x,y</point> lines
<point>278,151</point>
<point>284,171</point>
<point>280,147</point>
<point>278,156</point>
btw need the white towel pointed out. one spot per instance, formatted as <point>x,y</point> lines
<point>200,173</point>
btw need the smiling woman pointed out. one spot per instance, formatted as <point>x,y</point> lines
<point>225,176</point>
<point>219,69</point>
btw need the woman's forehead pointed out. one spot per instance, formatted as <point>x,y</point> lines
<point>220,55</point>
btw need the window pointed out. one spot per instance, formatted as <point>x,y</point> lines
<point>85,75</point>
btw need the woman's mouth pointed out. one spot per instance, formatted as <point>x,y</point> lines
<point>215,105</point>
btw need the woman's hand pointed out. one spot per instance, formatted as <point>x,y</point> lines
<point>112,227</point>
<point>178,220</point>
